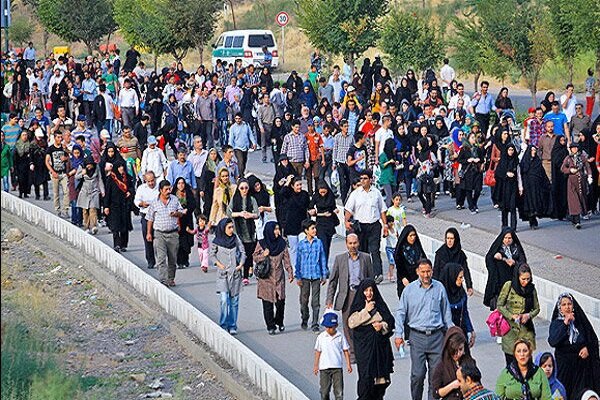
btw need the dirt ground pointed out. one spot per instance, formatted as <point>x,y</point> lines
<point>97,335</point>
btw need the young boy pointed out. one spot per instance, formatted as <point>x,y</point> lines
<point>398,211</point>
<point>202,239</point>
<point>311,273</point>
<point>330,347</point>
<point>391,241</point>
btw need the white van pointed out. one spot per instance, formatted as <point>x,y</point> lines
<point>245,45</point>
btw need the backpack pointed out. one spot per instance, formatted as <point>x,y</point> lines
<point>262,269</point>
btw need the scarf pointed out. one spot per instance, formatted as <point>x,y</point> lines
<point>526,292</point>
<point>262,196</point>
<point>22,147</point>
<point>515,372</point>
<point>448,278</point>
<point>573,332</point>
<point>211,164</point>
<point>276,245</point>
<point>76,162</point>
<point>226,188</point>
<point>221,238</point>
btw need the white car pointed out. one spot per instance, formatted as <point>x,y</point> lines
<point>245,45</point>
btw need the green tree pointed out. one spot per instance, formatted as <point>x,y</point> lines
<point>157,25</point>
<point>527,46</point>
<point>85,21</point>
<point>567,18</point>
<point>474,52</point>
<point>20,31</point>
<point>410,41</point>
<point>347,28</point>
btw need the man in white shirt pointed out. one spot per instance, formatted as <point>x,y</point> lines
<point>198,158</point>
<point>56,77</point>
<point>29,55</point>
<point>366,206</point>
<point>447,74</point>
<point>129,103</point>
<point>145,194</point>
<point>336,81</point>
<point>568,101</point>
<point>154,160</point>
<point>460,89</point>
<point>384,133</point>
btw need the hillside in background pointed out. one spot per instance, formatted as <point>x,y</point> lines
<point>260,14</point>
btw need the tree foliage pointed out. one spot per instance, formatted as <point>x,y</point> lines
<point>20,31</point>
<point>348,28</point>
<point>410,41</point>
<point>167,26</point>
<point>84,21</point>
<point>474,51</point>
<point>519,31</point>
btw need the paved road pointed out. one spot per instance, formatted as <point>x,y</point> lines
<point>291,352</point>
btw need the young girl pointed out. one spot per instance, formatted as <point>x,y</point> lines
<point>203,244</point>
<point>398,211</point>
<point>227,253</point>
<point>391,241</point>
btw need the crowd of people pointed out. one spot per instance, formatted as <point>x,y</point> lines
<point>171,146</point>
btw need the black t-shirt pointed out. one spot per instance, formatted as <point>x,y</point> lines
<point>355,152</point>
<point>56,158</point>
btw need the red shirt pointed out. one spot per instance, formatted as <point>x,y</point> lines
<point>315,142</point>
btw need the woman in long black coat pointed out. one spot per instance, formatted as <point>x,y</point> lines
<point>23,162</point>
<point>576,347</point>
<point>41,175</point>
<point>504,256</point>
<point>559,180</point>
<point>537,191</point>
<point>407,254</point>
<point>117,205</point>
<point>451,252</point>
<point>322,205</point>
<point>283,171</point>
<point>470,159</point>
<point>184,193</point>
<point>371,331</point>
<point>507,185</point>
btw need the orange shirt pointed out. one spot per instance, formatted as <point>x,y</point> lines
<point>315,142</point>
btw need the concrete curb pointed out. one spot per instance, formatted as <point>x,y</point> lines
<point>261,374</point>
<point>547,291</point>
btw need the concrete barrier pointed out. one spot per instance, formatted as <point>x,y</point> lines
<point>240,357</point>
<point>547,291</point>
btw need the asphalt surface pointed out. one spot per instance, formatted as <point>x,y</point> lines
<point>291,352</point>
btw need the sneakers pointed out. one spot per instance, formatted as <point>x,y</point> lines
<point>204,269</point>
<point>316,329</point>
<point>233,332</point>
<point>281,328</point>
<point>94,231</point>
<point>150,266</point>
<point>578,226</point>
<point>272,332</point>
<point>378,279</point>
<point>245,281</point>
<point>171,283</point>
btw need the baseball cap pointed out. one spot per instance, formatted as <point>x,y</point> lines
<point>104,134</point>
<point>330,320</point>
<point>152,140</point>
<point>81,117</point>
<point>351,88</point>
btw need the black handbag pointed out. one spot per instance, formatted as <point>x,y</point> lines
<point>262,269</point>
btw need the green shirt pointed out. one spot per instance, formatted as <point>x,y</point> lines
<point>110,80</point>
<point>507,387</point>
<point>387,176</point>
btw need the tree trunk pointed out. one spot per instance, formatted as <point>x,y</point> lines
<point>108,41</point>
<point>45,38</point>
<point>201,52</point>
<point>476,80</point>
<point>89,47</point>
<point>533,86</point>
<point>570,62</point>
<point>232,15</point>
<point>155,62</point>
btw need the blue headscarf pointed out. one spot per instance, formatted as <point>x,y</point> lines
<point>553,381</point>
<point>276,245</point>
<point>76,162</point>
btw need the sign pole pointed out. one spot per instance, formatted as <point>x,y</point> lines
<point>283,44</point>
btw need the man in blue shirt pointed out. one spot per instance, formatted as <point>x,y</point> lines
<point>561,123</point>
<point>311,273</point>
<point>89,90</point>
<point>483,104</point>
<point>181,167</point>
<point>241,139</point>
<point>425,311</point>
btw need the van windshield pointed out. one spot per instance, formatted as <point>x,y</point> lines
<point>260,41</point>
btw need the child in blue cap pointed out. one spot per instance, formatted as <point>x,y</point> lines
<point>330,350</point>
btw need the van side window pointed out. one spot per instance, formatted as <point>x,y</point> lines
<point>260,40</point>
<point>220,42</point>
<point>238,41</point>
<point>228,41</point>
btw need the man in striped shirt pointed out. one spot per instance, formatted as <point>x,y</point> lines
<point>295,147</point>
<point>341,145</point>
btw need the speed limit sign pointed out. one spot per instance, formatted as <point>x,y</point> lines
<point>282,18</point>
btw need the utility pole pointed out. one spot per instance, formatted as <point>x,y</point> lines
<point>6,21</point>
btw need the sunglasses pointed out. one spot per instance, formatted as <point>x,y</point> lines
<point>244,188</point>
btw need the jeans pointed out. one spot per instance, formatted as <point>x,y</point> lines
<point>223,132</point>
<point>427,201</point>
<point>76,214</point>
<point>265,140</point>
<point>308,286</point>
<point>59,184</point>
<point>293,247</point>
<point>249,249</point>
<point>148,246</point>
<point>6,183</point>
<point>273,319</point>
<point>242,158</point>
<point>328,378</point>
<point>425,352</point>
<point>229,311</point>
<point>206,133</point>
<point>344,174</point>
<point>128,116</point>
<point>370,240</point>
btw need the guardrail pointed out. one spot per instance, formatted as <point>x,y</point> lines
<point>547,291</point>
<point>239,356</point>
